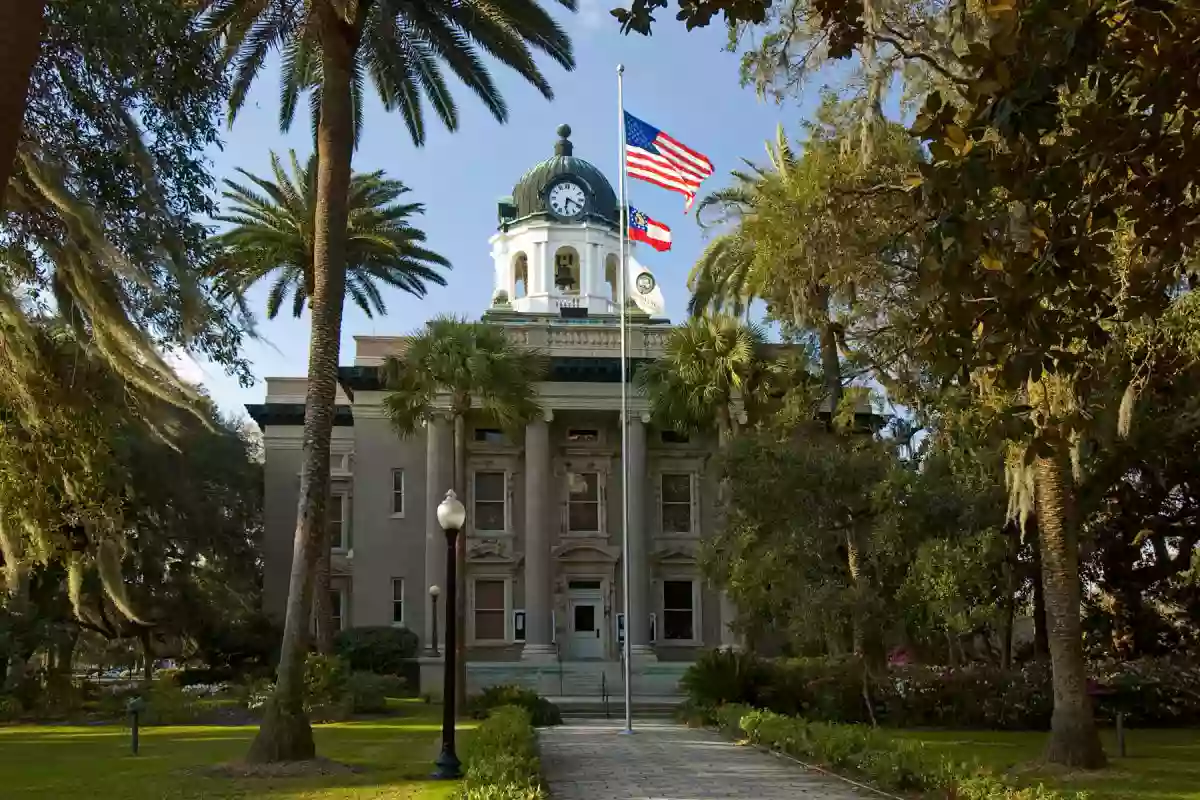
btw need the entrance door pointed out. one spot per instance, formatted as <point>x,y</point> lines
<point>586,629</point>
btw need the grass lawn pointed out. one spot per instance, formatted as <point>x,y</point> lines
<point>395,755</point>
<point>1160,765</point>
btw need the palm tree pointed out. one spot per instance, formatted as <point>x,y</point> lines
<point>329,48</point>
<point>708,364</point>
<point>273,236</point>
<point>482,372</point>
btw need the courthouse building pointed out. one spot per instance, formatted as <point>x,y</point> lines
<point>544,574</point>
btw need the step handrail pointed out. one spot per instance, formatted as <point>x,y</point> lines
<point>604,692</point>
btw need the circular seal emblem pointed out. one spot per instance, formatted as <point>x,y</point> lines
<point>645,283</point>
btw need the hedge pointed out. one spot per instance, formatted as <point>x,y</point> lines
<point>542,712</point>
<point>873,756</point>
<point>502,760</point>
<point>1152,692</point>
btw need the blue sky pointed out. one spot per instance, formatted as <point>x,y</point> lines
<point>684,83</point>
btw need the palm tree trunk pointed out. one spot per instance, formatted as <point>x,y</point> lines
<point>22,23</point>
<point>460,559</point>
<point>285,734</point>
<point>1074,740</point>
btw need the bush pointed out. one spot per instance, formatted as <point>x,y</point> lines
<point>369,692</point>
<point>1151,692</point>
<point>380,649</point>
<point>870,754</point>
<point>502,760</point>
<point>10,708</point>
<point>541,711</point>
<point>324,679</point>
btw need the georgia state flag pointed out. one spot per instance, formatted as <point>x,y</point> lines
<point>644,229</point>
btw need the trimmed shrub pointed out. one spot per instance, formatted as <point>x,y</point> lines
<point>381,649</point>
<point>502,760</point>
<point>324,679</point>
<point>10,708</point>
<point>871,755</point>
<point>726,676</point>
<point>541,711</point>
<point>369,692</point>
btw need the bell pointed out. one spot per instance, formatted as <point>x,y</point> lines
<point>562,277</point>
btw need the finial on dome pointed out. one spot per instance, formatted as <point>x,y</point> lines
<point>563,146</point>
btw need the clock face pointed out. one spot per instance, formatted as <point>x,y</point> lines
<point>567,199</point>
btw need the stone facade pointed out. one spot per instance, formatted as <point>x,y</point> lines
<point>545,561</point>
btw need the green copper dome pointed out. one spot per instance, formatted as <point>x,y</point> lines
<point>529,196</point>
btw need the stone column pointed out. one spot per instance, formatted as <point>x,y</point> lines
<point>538,602</point>
<point>637,618</point>
<point>439,453</point>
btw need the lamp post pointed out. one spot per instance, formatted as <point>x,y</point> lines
<point>450,515</point>
<point>434,591</point>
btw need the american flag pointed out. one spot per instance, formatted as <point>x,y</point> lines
<point>655,157</point>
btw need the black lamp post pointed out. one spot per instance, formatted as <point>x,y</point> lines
<point>434,591</point>
<point>451,515</point>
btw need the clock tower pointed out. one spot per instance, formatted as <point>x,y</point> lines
<point>558,243</point>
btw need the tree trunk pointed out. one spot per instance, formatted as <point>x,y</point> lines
<point>1010,596</point>
<point>460,562</point>
<point>1074,740</point>
<point>285,734</point>
<point>323,588</point>
<point>147,655</point>
<point>831,368</point>
<point>22,23</point>
<point>1041,638</point>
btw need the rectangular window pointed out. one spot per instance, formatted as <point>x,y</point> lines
<point>583,435</point>
<point>676,502</point>
<point>335,605</point>
<point>489,610</point>
<point>397,493</point>
<point>679,611</point>
<point>583,501</point>
<point>397,601</point>
<point>674,437</point>
<point>490,436</point>
<point>338,540</point>
<point>489,501</point>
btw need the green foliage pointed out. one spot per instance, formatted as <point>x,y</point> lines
<point>541,711</point>
<point>502,761</point>
<point>10,708</point>
<point>380,649</point>
<point>369,692</point>
<point>719,677</point>
<point>465,360</point>
<point>867,753</point>
<point>325,678</point>
<point>1152,693</point>
<point>272,234</point>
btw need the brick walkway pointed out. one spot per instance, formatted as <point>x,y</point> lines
<point>665,761</point>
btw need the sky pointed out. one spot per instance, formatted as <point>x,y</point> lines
<point>682,82</point>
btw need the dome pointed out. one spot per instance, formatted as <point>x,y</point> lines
<point>529,194</point>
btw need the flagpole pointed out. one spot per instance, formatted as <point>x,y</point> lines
<point>623,300</point>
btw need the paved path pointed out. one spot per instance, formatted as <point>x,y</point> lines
<point>665,761</point>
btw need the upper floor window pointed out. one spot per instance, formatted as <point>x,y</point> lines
<point>339,533</point>
<point>397,493</point>
<point>489,501</point>
<point>676,502</point>
<point>490,436</point>
<point>583,501</point>
<point>583,435</point>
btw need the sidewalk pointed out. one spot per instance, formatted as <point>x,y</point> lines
<point>667,761</point>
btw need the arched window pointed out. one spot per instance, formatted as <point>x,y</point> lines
<point>612,265</point>
<point>520,267</point>
<point>566,270</point>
